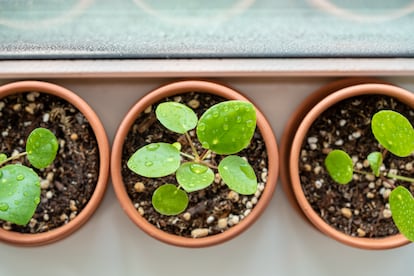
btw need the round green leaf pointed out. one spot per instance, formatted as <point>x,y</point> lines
<point>394,132</point>
<point>19,193</point>
<point>193,176</point>
<point>41,147</point>
<point>169,200</point>
<point>340,167</point>
<point>227,127</point>
<point>238,175</point>
<point>176,117</point>
<point>375,161</point>
<point>402,208</point>
<point>155,160</point>
<point>3,157</point>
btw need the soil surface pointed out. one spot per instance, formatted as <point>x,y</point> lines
<point>69,182</point>
<point>211,210</point>
<point>361,207</point>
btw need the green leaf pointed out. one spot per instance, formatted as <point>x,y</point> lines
<point>177,145</point>
<point>193,176</point>
<point>155,160</point>
<point>238,175</point>
<point>227,127</point>
<point>402,208</point>
<point>340,167</point>
<point>394,132</point>
<point>176,117</point>
<point>19,193</point>
<point>375,162</point>
<point>41,147</point>
<point>169,200</point>
<point>3,157</point>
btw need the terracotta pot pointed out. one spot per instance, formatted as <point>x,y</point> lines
<point>104,154</point>
<point>296,131</point>
<point>119,186</point>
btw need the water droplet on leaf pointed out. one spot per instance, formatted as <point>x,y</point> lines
<point>149,163</point>
<point>4,206</point>
<point>249,123</point>
<point>198,169</point>
<point>225,127</point>
<point>152,147</point>
<point>20,177</point>
<point>202,127</point>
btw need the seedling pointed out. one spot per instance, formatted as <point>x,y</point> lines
<point>225,128</point>
<point>20,185</point>
<point>395,134</point>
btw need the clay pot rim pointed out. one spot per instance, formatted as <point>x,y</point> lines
<point>351,91</point>
<point>176,88</point>
<point>27,239</point>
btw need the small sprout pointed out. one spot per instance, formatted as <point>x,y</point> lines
<point>394,133</point>
<point>340,167</point>
<point>225,128</point>
<point>375,162</point>
<point>20,185</point>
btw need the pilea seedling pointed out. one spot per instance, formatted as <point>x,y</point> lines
<point>395,134</point>
<point>19,184</point>
<point>225,129</point>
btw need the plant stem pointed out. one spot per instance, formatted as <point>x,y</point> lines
<point>205,154</point>
<point>389,175</point>
<point>197,157</point>
<point>400,177</point>
<point>17,156</point>
<point>209,165</point>
<point>363,172</point>
<point>187,155</point>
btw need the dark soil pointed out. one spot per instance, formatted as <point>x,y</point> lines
<point>361,207</point>
<point>211,210</point>
<point>69,182</point>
